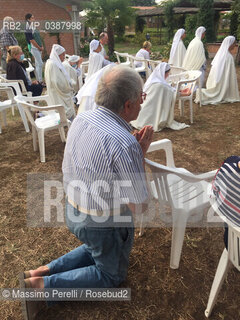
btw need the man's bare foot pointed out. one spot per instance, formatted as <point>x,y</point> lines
<point>39,272</point>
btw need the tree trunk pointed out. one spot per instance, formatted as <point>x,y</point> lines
<point>110,33</point>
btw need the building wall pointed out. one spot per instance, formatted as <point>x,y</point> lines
<point>42,10</point>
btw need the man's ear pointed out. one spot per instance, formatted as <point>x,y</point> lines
<point>126,110</point>
<point>127,107</point>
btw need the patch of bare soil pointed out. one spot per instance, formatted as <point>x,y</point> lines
<point>158,292</point>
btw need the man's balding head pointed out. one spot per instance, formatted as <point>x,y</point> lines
<point>117,86</point>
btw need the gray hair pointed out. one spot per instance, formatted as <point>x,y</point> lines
<point>117,86</point>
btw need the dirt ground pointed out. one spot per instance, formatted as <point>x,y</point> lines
<point>157,292</point>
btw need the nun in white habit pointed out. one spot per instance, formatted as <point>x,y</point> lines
<point>195,58</point>
<point>72,66</point>
<point>222,83</point>
<point>158,108</point>
<point>178,49</point>
<point>96,60</point>
<point>59,84</point>
<point>86,95</point>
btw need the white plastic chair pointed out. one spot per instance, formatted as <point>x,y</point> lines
<point>7,88</point>
<point>143,68</point>
<point>189,79</point>
<point>229,258</point>
<point>7,104</point>
<point>185,193</point>
<point>153,64</point>
<point>123,55</point>
<point>30,67</point>
<point>176,70</point>
<point>56,119</point>
<point>20,90</point>
<point>84,68</point>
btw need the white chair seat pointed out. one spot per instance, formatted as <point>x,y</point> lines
<point>48,122</point>
<point>5,103</point>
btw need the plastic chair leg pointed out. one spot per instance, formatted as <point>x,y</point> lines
<point>220,275</point>
<point>24,119</point>
<point>13,111</point>
<point>34,135</point>
<point>181,107</point>
<point>178,232</point>
<point>62,134</point>
<point>4,117</point>
<point>200,92</point>
<point>191,111</point>
<point>141,226</point>
<point>41,145</point>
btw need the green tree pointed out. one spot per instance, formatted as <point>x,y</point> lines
<point>139,24</point>
<point>143,3</point>
<point>206,17</point>
<point>235,19</point>
<point>110,14</point>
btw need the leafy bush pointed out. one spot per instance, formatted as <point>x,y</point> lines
<point>84,48</point>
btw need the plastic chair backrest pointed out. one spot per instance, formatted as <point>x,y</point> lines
<point>176,70</point>
<point>234,246</point>
<point>188,80</point>
<point>28,107</point>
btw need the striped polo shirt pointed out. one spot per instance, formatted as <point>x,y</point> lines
<point>226,188</point>
<point>103,162</point>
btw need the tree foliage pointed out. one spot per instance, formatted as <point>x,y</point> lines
<point>206,17</point>
<point>235,19</point>
<point>139,24</point>
<point>143,3</point>
<point>112,15</point>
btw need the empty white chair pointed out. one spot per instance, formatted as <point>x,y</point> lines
<point>3,106</point>
<point>177,188</point>
<point>143,68</point>
<point>189,79</point>
<point>56,119</point>
<point>9,91</point>
<point>124,56</point>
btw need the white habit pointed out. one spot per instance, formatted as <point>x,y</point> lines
<point>73,75</point>
<point>158,109</point>
<point>222,83</point>
<point>195,55</point>
<point>178,49</point>
<point>58,82</point>
<point>86,95</point>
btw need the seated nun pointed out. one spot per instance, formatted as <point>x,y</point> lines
<point>59,84</point>
<point>195,58</point>
<point>178,49</point>
<point>86,95</point>
<point>158,108</point>
<point>73,67</point>
<point>222,83</point>
<point>96,60</point>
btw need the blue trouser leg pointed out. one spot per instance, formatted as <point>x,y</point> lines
<point>77,258</point>
<point>101,262</point>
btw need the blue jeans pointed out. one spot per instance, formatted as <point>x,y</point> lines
<point>38,63</point>
<point>101,262</point>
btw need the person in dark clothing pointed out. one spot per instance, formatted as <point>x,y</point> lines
<point>16,70</point>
